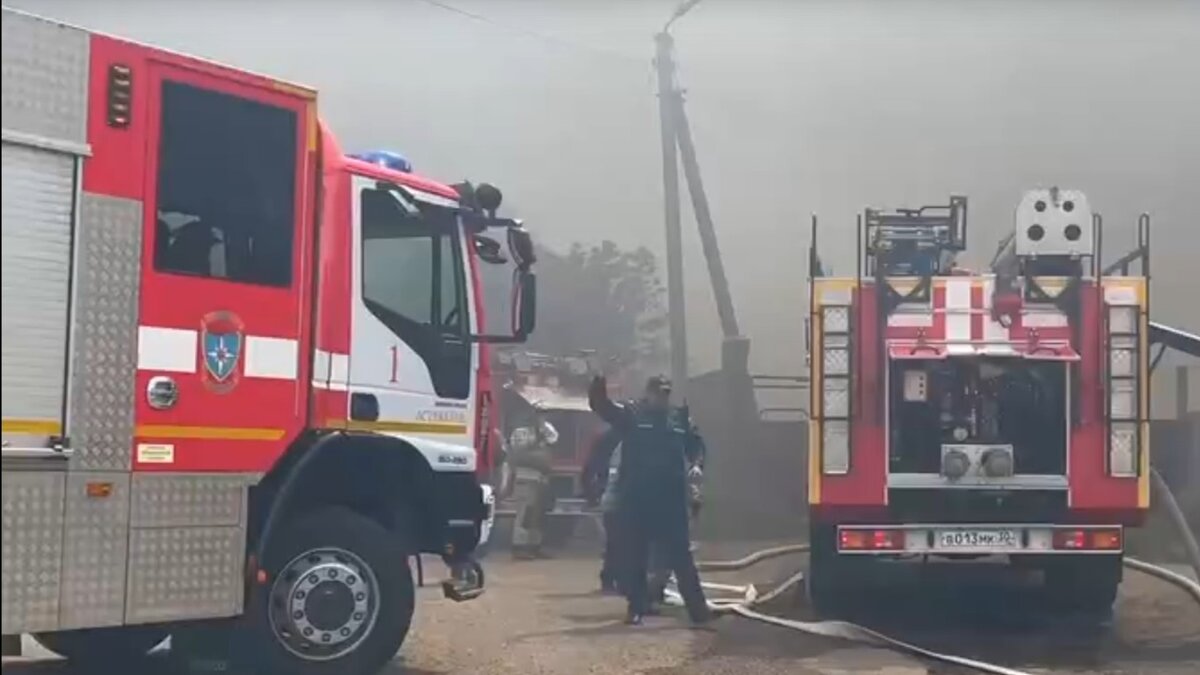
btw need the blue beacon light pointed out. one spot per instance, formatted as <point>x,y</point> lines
<point>387,159</point>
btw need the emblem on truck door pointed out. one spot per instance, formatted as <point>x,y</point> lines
<point>221,340</point>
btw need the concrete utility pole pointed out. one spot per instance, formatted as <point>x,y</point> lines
<point>668,94</point>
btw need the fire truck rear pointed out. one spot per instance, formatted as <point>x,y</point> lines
<point>976,415</point>
<point>241,370</point>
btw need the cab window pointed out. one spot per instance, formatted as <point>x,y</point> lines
<point>413,282</point>
<point>226,187</point>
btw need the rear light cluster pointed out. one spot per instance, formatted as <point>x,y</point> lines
<point>870,540</point>
<point>1088,539</point>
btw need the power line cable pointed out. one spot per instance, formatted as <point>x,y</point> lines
<point>519,30</point>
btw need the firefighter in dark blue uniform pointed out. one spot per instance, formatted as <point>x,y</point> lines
<point>658,445</point>
<point>600,489</point>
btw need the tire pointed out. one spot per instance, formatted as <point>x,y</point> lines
<point>116,649</point>
<point>1084,586</point>
<point>342,579</point>
<point>825,580</point>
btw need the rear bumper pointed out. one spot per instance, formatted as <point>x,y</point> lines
<point>979,539</point>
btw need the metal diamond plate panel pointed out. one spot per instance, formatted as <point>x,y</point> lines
<point>182,500</point>
<point>32,550</point>
<point>185,573</point>
<point>96,544</point>
<point>101,404</point>
<point>45,67</point>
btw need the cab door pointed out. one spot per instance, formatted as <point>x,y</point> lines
<point>222,327</point>
<point>411,364</point>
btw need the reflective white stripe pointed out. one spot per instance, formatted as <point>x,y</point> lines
<point>273,358</point>
<point>1120,295</point>
<point>171,350</point>
<point>993,330</point>
<point>958,310</point>
<point>320,366</point>
<point>1044,319</point>
<point>960,349</point>
<point>997,350</point>
<point>903,319</point>
<point>339,369</point>
<point>176,350</point>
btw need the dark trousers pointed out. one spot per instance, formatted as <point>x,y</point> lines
<point>665,531</point>
<point>611,565</point>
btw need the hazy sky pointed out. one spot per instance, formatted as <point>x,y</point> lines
<point>796,107</point>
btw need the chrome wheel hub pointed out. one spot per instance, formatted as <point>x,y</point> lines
<point>323,604</point>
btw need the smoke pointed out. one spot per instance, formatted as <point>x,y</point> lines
<point>796,108</point>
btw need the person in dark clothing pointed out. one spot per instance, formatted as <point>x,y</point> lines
<point>658,443</point>
<point>599,488</point>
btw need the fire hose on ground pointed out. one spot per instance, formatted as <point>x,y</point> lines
<point>746,598</point>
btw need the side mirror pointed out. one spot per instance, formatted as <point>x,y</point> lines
<point>525,307</point>
<point>520,246</point>
<point>488,250</point>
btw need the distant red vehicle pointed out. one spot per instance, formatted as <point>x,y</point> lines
<point>553,389</point>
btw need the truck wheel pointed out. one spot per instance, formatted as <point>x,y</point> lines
<point>339,600</point>
<point>1086,586</point>
<point>825,580</point>
<point>115,649</point>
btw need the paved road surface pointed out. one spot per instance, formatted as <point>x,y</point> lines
<point>543,618</point>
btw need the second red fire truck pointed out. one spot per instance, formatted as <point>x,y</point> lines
<point>971,415</point>
<point>244,378</point>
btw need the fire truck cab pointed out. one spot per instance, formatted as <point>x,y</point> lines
<point>973,415</point>
<point>244,373</point>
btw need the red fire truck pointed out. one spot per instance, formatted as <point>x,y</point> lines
<point>553,389</point>
<point>243,373</point>
<point>974,415</point>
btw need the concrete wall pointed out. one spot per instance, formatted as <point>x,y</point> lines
<point>755,483</point>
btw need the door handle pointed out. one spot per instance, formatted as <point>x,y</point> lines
<point>364,407</point>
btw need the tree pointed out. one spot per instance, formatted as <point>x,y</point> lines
<point>601,298</point>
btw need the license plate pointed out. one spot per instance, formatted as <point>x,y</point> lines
<point>977,539</point>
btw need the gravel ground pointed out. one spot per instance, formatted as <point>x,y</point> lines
<point>543,617</point>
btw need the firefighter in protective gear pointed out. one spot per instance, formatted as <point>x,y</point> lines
<point>658,444</point>
<point>529,456</point>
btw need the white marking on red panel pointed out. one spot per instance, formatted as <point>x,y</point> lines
<point>993,330</point>
<point>958,309</point>
<point>168,350</point>
<point>332,371</point>
<point>176,350</point>
<point>271,358</point>
<point>961,312</point>
<point>339,372</point>
<point>320,368</point>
